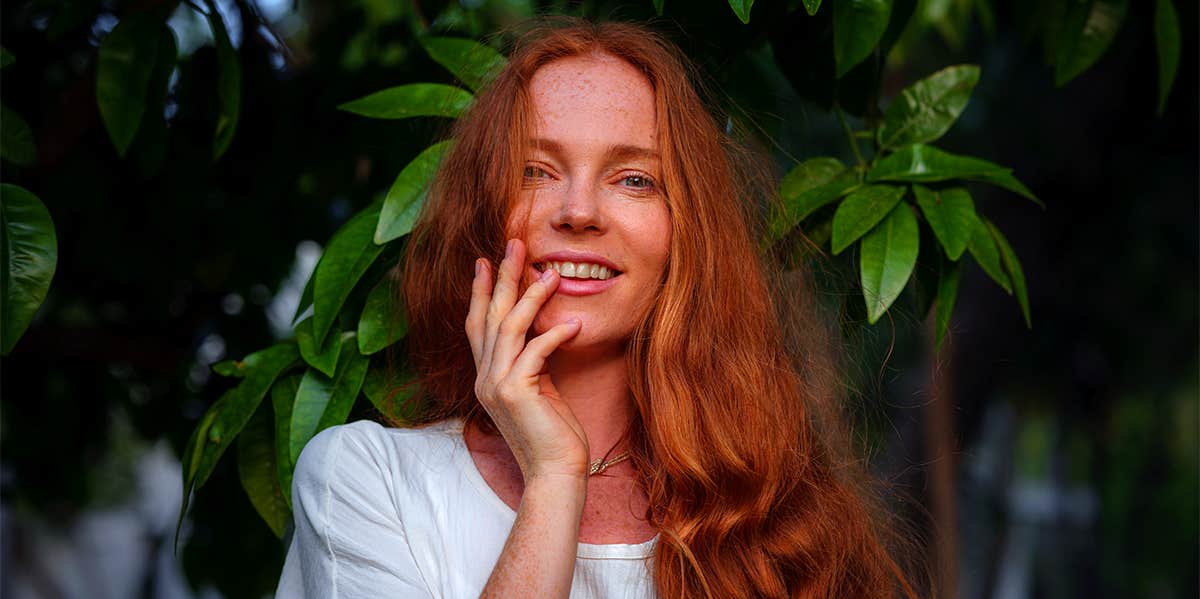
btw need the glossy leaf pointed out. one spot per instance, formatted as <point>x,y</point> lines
<point>323,401</point>
<point>1087,30</point>
<point>812,6</point>
<point>1166,37</point>
<point>474,64</point>
<point>950,213</point>
<point>16,138</point>
<point>229,84</point>
<point>383,320</point>
<point>1012,267</point>
<point>919,163</point>
<point>29,253</point>
<point>222,423</point>
<point>256,470</point>
<point>886,260</point>
<point>947,294</point>
<point>861,211</point>
<point>321,356</point>
<point>283,395</point>
<point>858,25</point>
<point>742,9</point>
<point>412,100</point>
<point>349,253</point>
<point>983,249</point>
<point>810,185</point>
<point>407,194</point>
<point>6,58</point>
<point>126,61</point>
<point>925,110</point>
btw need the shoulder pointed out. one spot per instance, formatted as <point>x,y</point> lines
<point>374,458</point>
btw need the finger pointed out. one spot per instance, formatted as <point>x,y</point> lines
<point>533,359</point>
<point>510,335</point>
<point>504,294</point>
<point>481,296</point>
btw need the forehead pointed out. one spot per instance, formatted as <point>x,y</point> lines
<point>594,97</point>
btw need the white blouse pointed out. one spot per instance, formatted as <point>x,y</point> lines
<point>385,512</point>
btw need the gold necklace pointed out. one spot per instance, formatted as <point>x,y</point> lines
<point>599,465</point>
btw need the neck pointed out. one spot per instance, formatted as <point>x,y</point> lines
<point>596,387</point>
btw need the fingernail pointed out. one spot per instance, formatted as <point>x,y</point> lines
<point>508,250</point>
<point>478,266</point>
<point>545,278</point>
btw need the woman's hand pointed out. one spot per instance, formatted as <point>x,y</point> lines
<point>511,381</point>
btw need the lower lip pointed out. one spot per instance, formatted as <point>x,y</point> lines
<point>578,287</point>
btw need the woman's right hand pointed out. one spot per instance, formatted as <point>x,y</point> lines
<point>511,382</point>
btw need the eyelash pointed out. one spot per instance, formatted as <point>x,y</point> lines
<point>647,183</point>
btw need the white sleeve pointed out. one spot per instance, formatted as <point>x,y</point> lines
<point>349,541</point>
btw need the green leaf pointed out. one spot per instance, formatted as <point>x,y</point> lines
<point>983,248</point>
<point>950,213</point>
<point>926,109</point>
<point>306,296</point>
<point>407,194</point>
<point>16,138</point>
<point>475,64</point>
<point>283,395</point>
<point>812,6</point>
<point>919,163</point>
<point>256,470</point>
<point>1012,266</point>
<point>149,146</point>
<point>6,58</point>
<point>229,84</point>
<point>947,294</point>
<point>222,423</point>
<point>742,9</point>
<point>858,25</point>
<point>861,211</point>
<point>1166,37</point>
<point>127,57</point>
<point>658,7</point>
<point>29,252</point>
<point>393,397</point>
<point>322,401</point>
<point>1087,31</point>
<point>1007,181</point>
<point>230,368</point>
<point>383,320</point>
<point>888,255</point>
<point>806,188</point>
<point>412,100</point>
<point>322,356</point>
<point>349,253</point>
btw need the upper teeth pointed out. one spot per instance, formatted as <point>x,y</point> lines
<point>580,270</point>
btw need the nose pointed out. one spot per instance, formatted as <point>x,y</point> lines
<point>580,210</point>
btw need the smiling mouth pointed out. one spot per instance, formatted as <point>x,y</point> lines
<point>578,270</point>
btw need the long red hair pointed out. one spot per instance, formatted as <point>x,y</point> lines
<point>737,444</point>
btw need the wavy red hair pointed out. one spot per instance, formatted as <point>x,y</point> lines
<point>739,449</point>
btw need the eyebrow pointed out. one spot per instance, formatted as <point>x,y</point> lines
<point>614,153</point>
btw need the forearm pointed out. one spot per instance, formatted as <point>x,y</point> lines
<point>538,559</point>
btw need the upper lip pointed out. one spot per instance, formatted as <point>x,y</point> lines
<point>576,256</point>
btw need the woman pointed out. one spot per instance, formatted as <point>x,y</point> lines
<point>620,418</point>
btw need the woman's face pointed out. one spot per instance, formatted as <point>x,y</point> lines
<point>591,205</point>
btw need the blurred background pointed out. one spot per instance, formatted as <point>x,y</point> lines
<point>1054,461</point>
